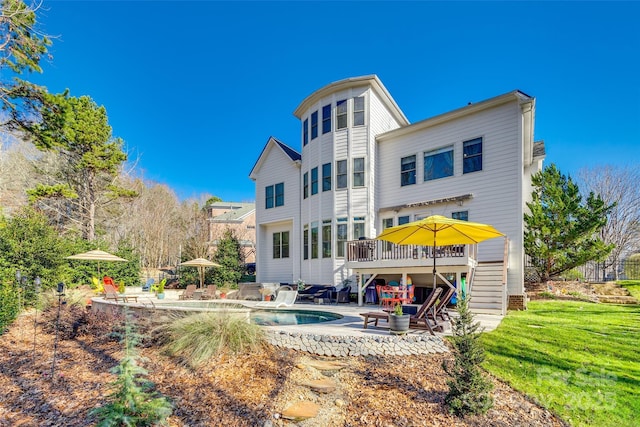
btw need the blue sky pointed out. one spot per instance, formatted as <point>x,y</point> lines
<point>195,89</point>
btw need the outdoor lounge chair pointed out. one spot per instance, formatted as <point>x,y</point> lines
<point>311,292</point>
<point>210,292</point>
<point>188,292</point>
<point>440,310</point>
<point>419,320</point>
<point>284,299</point>
<point>111,293</point>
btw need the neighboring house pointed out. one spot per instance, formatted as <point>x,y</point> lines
<point>238,217</point>
<point>364,168</point>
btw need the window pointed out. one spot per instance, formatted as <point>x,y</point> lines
<point>438,163</point>
<point>387,223</point>
<point>408,170</point>
<point>305,185</point>
<point>314,240</point>
<point>462,215</point>
<point>341,237</point>
<point>358,111</point>
<point>341,114</point>
<point>326,119</point>
<point>341,174</point>
<point>305,242</point>
<point>403,219</point>
<point>281,244</point>
<point>326,177</point>
<point>472,155</point>
<point>280,194</point>
<point>314,181</point>
<point>358,227</point>
<point>314,125</point>
<point>358,172</point>
<point>274,198</point>
<point>305,132</point>
<point>268,197</point>
<point>326,238</point>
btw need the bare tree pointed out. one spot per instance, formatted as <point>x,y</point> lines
<point>617,185</point>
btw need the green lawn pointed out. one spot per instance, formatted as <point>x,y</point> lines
<point>633,286</point>
<point>579,359</point>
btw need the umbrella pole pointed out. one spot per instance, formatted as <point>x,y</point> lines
<point>435,278</point>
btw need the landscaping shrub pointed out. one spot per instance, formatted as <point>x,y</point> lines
<point>469,391</point>
<point>199,337</point>
<point>9,306</point>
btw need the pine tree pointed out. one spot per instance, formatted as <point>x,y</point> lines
<point>562,229</point>
<point>469,391</point>
<point>132,404</point>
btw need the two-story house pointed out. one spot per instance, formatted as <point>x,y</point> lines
<point>363,167</point>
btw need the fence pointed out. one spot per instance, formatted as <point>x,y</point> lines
<point>593,271</point>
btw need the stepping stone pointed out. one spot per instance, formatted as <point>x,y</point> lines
<point>326,365</point>
<point>301,411</point>
<point>324,385</point>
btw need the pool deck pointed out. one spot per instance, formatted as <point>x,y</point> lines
<point>342,337</point>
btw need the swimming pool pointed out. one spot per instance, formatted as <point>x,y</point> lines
<point>259,316</point>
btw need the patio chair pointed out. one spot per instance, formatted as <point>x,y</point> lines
<point>210,292</point>
<point>188,292</point>
<point>147,286</point>
<point>343,295</point>
<point>284,299</point>
<point>106,280</point>
<point>418,320</point>
<point>440,310</point>
<point>111,293</point>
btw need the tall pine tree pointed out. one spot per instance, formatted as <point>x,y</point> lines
<point>562,228</point>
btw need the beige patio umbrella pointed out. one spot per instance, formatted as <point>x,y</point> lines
<point>97,255</point>
<point>438,230</point>
<point>201,263</point>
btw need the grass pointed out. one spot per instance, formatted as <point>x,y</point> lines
<point>578,359</point>
<point>633,286</point>
<point>200,337</point>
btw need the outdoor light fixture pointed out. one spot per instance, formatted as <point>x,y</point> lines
<point>55,343</point>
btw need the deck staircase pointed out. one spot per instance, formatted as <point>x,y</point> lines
<point>488,293</point>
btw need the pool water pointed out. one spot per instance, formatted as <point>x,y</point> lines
<point>264,317</point>
<point>291,317</point>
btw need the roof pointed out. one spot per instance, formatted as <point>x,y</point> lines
<point>472,108</point>
<point>235,211</point>
<point>274,142</point>
<point>352,82</point>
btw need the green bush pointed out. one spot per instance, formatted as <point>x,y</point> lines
<point>199,337</point>
<point>9,306</point>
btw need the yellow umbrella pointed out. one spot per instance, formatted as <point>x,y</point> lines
<point>201,263</point>
<point>438,230</point>
<point>97,255</point>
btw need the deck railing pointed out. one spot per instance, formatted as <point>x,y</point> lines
<point>370,250</point>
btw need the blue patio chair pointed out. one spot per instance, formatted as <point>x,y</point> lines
<point>147,286</point>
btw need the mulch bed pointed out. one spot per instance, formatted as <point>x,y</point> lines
<point>247,390</point>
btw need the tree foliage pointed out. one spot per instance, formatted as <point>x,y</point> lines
<point>469,391</point>
<point>89,159</point>
<point>229,256</point>
<point>562,230</point>
<point>22,47</point>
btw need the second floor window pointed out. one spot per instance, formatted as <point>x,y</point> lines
<point>314,181</point>
<point>358,111</point>
<point>341,114</point>
<point>472,155</point>
<point>274,196</point>
<point>305,132</point>
<point>341,174</point>
<point>438,163</point>
<point>314,125</point>
<point>461,215</point>
<point>358,227</point>
<point>408,170</point>
<point>326,177</point>
<point>305,185</point>
<point>326,119</point>
<point>280,194</point>
<point>358,172</point>
<point>341,237</point>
